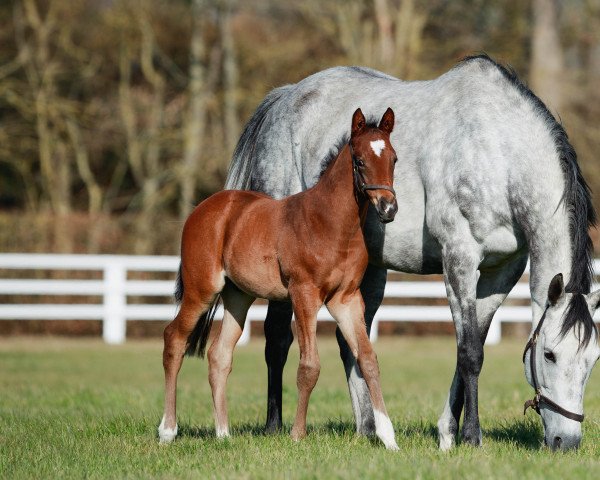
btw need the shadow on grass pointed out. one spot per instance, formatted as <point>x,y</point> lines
<point>523,433</point>
<point>253,429</point>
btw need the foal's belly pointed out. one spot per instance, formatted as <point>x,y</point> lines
<point>250,257</point>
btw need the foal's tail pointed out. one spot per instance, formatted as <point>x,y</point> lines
<point>240,169</point>
<point>196,341</point>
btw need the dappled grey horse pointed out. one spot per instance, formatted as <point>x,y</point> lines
<point>485,178</point>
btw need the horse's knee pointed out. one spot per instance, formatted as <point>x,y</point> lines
<point>308,373</point>
<point>470,358</point>
<point>219,364</point>
<point>367,362</point>
<point>172,347</point>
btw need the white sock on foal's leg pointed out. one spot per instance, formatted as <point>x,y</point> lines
<point>385,430</point>
<point>222,432</point>
<point>166,435</point>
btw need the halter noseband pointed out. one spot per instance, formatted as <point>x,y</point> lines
<point>540,399</point>
<point>359,179</point>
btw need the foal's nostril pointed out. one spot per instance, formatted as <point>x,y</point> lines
<point>557,442</point>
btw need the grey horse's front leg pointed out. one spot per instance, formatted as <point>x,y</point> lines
<point>372,288</point>
<point>460,276</point>
<point>492,288</point>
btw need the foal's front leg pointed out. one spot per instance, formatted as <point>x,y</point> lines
<point>349,314</point>
<point>306,303</point>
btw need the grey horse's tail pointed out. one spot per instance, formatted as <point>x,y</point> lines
<point>240,169</point>
<point>196,341</point>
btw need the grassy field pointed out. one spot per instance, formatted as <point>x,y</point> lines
<point>79,408</point>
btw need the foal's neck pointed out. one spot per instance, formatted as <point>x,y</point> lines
<point>337,196</point>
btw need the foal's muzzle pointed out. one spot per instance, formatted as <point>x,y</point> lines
<point>386,209</point>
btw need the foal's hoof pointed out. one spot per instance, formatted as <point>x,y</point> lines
<point>166,435</point>
<point>298,435</point>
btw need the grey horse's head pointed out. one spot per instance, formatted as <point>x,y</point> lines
<point>566,351</point>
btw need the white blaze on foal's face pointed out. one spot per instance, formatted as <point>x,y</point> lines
<point>377,146</point>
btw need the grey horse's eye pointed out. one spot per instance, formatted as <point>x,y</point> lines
<point>550,357</point>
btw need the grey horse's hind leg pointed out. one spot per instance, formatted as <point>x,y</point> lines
<point>278,340</point>
<point>492,288</point>
<point>372,288</point>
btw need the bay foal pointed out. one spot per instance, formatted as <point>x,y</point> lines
<point>308,248</point>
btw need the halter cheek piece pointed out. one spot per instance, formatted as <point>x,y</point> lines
<point>359,179</point>
<point>540,399</point>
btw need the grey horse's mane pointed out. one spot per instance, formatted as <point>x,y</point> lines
<point>578,315</point>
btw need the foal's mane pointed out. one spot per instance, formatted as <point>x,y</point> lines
<point>339,144</point>
<point>577,201</point>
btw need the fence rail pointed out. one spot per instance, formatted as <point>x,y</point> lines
<point>114,288</point>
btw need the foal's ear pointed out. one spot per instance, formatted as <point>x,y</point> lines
<point>387,121</point>
<point>358,122</point>
<point>556,290</point>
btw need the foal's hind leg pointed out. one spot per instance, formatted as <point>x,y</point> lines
<point>220,355</point>
<point>492,289</point>
<point>349,314</point>
<point>175,340</point>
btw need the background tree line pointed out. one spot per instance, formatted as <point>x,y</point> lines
<point>118,116</point>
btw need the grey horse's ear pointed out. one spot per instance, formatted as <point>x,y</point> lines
<point>387,121</point>
<point>556,290</point>
<point>593,300</point>
<point>358,122</point>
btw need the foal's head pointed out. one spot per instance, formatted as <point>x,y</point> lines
<point>373,159</point>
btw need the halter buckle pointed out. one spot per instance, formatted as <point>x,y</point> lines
<point>534,404</point>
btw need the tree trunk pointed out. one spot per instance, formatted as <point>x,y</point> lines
<point>230,81</point>
<point>547,59</point>
<point>196,115</point>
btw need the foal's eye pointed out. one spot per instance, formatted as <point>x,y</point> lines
<point>550,357</point>
<point>395,159</point>
<point>359,162</point>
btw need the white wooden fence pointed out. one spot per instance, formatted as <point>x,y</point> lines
<point>115,287</point>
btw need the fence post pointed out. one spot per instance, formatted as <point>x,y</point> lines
<point>114,322</point>
<point>245,337</point>
<point>495,332</point>
<point>374,335</point>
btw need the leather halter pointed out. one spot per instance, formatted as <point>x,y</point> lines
<point>359,179</point>
<point>540,399</point>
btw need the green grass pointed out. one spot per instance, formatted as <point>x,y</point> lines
<point>75,408</point>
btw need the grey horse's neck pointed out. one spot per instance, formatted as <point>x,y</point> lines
<point>551,252</point>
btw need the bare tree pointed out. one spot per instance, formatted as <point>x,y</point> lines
<point>547,59</point>
<point>195,118</point>
<point>230,78</point>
